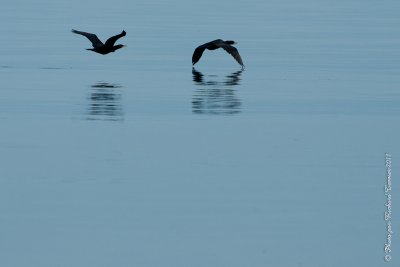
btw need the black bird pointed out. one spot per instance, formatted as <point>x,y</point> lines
<point>98,46</point>
<point>226,45</point>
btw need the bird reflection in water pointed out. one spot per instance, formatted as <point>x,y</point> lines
<point>216,97</point>
<point>105,102</point>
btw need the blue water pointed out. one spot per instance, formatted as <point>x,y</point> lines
<point>136,159</point>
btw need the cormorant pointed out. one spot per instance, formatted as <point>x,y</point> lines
<point>98,46</point>
<point>226,45</point>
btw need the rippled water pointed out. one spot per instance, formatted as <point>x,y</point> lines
<point>137,159</point>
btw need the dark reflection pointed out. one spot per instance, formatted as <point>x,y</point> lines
<point>216,97</point>
<point>52,68</point>
<point>105,102</point>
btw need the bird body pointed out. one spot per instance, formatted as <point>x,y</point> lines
<point>98,46</point>
<point>213,45</point>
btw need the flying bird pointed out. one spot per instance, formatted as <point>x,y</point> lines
<point>226,45</point>
<point>98,45</point>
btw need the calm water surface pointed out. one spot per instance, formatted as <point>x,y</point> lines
<point>136,159</point>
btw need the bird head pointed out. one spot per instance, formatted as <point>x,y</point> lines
<point>116,47</point>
